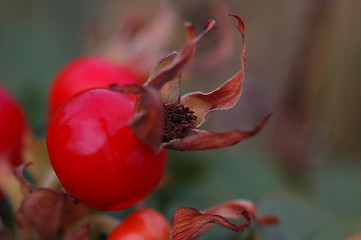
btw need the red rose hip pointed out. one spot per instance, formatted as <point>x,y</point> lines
<point>143,224</point>
<point>83,73</point>
<point>13,128</point>
<point>96,155</point>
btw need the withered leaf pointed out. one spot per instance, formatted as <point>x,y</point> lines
<point>189,223</point>
<point>147,121</point>
<point>203,140</point>
<point>45,212</point>
<point>224,97</point>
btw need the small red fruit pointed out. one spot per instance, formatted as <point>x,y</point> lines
<point>83,73</point>
<point>96,155</point>
<point>13,128</point>
<point>143,224</point>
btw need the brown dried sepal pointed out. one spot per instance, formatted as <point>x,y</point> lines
<point>229,210</point>
<point>46,213</point>
<point>225,96</point>
<point>189,223</point>
<point>147,121</point>
<point>203,140</point>
<point>182,59</point>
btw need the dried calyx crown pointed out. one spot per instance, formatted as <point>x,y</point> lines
<point>163,119</point>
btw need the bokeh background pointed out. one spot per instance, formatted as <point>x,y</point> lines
<point>303,66</point>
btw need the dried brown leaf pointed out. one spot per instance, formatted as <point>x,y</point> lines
<point>203,140</point>
<point>189,223</point>
<point>185,55</point>
<point>44,213</point>
<point>147,121</point>
<point>224,97</point>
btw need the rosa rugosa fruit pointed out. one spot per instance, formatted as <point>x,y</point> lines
<point>143,224</point>
<point>13,128</point>
<point>96,155</point>
<point>83,73</point>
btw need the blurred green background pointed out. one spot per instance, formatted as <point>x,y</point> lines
<point>303,65</point>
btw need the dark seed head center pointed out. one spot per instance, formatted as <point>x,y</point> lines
<point>178,120</point>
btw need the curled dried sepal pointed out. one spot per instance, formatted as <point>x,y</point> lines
<point>170,91</point>
<point>18,171</point>
<point>45,213</point>
<point>225,40</point>
<point>182,59</point>
<point>203,140</point>
<point>229,210</point>
<point>147,121</point>
<point>224,97</point>
<point>189,223</point>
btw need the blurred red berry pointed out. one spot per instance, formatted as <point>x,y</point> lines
<point>83,73</point>
<point>13,128</point>
<point>143,224</point>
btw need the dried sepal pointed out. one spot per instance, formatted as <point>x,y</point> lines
<point>147,121</point>
<point>18,171</point>
<point>182,59</point>
<point>224,97</point>
<point>170,91</point>
<point>229,210</point>
<point>189,223</point>
<point>46,212</point>
<point>203,140</point>
<point>225,40</point>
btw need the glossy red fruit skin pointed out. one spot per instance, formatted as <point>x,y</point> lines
<point>96,155</point>
<point>83,73</point>
<point>143,224</point>
<point>13,129</point>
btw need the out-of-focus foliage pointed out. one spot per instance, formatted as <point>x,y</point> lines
<point>303,66</point>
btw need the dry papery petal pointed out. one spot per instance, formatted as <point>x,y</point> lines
<point>45,213</point>
<point>225,96</point>
<point>189,223</point>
